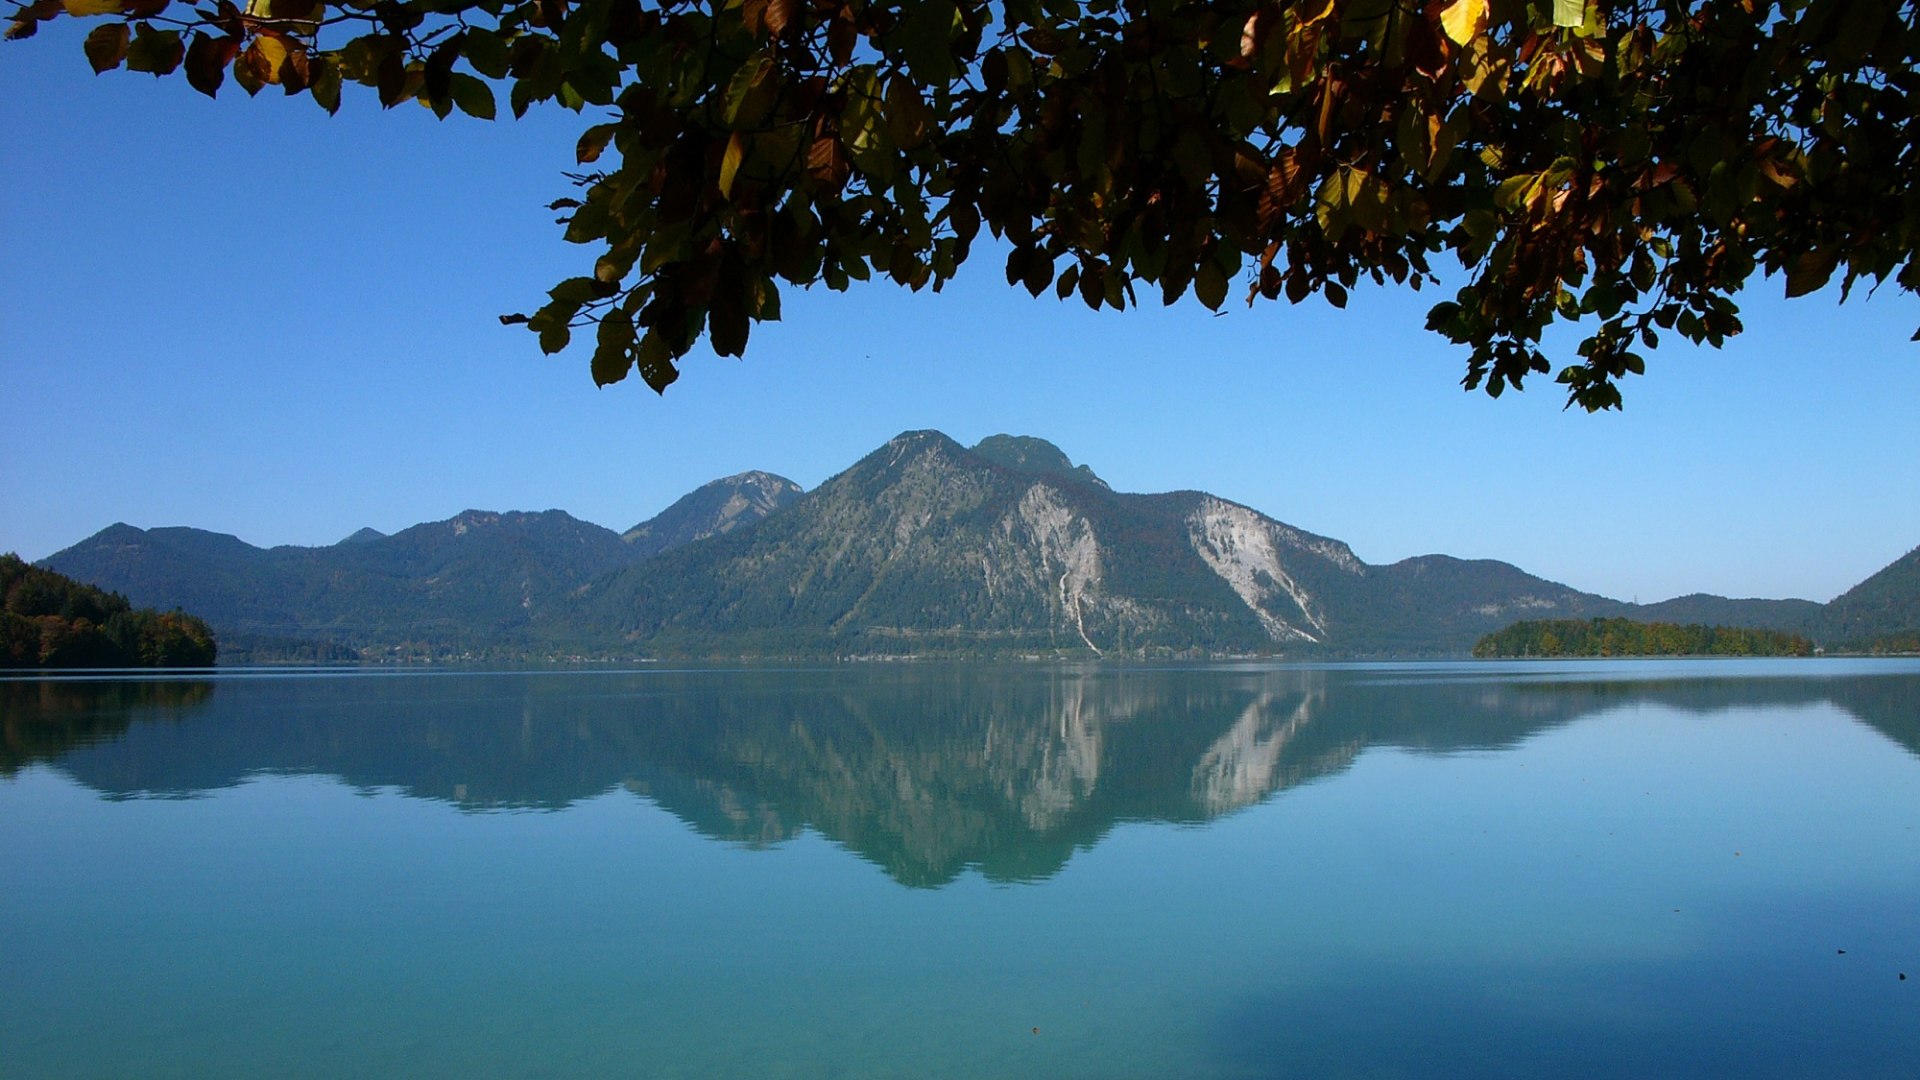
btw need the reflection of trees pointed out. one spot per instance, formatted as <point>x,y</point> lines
<point>926,772</point>
<point>41,720</point>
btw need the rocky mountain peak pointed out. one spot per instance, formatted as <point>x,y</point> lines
<point>713,509</point>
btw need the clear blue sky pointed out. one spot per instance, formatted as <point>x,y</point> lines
<point>245,316</point>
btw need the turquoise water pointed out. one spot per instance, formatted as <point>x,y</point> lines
<point>1472,870</point>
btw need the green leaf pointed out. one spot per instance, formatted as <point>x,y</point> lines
<point>1569,12</point>
<point>1329,203</point>
<point>474,97</point>
<point>1210,285</point>
<point>487,53</point>
<point>155,51</point>
<point>764,303</point>
<point>613,349</point>
<point>1480,224</point>
<point>863,127</point>
<point>746,105</point>
<point>576,291</point>
<point>325,87</point>
<point>1093,287</point>
<point>523,95</point>
<point>655,361</point>
<point>925,40</point>
<point>106,46</point>
<point>1514,191</point>
<point>81,9</point>
<point>247,75</point>
<point>1810,271</point>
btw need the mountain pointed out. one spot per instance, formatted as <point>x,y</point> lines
<point>481,580</point>
<point>923,547</point>
<point>712,509</point>
<point>477,578</point>
<point>927,546</point>
<point>1886,603</point>
<point>1794,616</point>
<point>1024,453</point>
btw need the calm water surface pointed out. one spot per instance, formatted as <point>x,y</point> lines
<point>1683,869</point>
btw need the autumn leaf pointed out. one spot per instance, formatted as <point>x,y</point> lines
<point>730,161</point>
<point>106,46</point>
<point>1464,20</point>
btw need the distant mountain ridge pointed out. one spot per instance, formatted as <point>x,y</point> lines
<point>480,580</point>
<point>1886,603</point>
<point>922,547</point>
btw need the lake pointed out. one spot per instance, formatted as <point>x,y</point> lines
<point>1600,869</point>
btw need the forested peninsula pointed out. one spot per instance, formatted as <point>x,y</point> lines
<point>1626,637</point>
<point>49,620</point>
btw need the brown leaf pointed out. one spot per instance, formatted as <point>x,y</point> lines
<point>841,37</point>
<point>593,142</point>
<point>782,14</point>
<point>106,46</point>
<point>753,15</point>
<point>207,60</point>
<point>828,163</point>
<point>295,71</point>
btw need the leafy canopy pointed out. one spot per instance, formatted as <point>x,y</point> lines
<point>1626,165</point>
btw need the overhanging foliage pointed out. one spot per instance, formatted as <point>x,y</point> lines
<point>1627,166</point>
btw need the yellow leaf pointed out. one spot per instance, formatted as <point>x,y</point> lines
<point>274,52</point>
<point>730,161</point>
<point>82,8</point>
<point>1464,20</point>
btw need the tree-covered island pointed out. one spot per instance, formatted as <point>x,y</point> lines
<point>49,620</point>
<point>1626,637</point>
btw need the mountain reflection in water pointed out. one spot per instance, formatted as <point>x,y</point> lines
<point>925,771</point>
